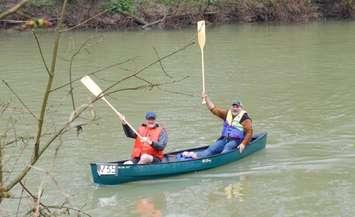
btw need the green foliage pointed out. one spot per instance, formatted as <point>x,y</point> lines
<point>119,5</point>
<point>212,1</point>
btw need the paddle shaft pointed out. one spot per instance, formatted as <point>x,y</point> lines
<point>201,36</point>
<point>96,91</point>
<point>121,116</point>
<point>203,76</point>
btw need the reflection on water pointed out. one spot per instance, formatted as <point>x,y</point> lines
<point>107,201</point>
<point>149,207</point>
<point>177,197</point>
<point>236,190</point>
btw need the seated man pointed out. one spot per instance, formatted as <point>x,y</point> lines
<point>148,149</point>
<point>237,130</point>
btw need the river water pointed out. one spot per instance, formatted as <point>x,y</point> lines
<point>297,82</point>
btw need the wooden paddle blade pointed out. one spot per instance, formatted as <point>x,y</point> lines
<point>91,85</point>
<point>201,34</point>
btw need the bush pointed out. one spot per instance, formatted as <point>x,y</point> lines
<point>116,6</point>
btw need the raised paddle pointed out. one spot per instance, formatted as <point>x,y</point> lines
<point>96,90</point>
<point>201,35</point>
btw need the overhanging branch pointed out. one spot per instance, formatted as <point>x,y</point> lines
<point>13,9</point>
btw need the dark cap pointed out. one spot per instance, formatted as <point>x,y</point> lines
<point>150,115</point>
<point>237,102</point>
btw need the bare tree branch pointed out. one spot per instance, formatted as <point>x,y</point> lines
<point>165,72</point>
<point>137,77</point>
<point>151,86</point>
<point>23,138</point>
<point>35,159</point>
<point>141,21</point>
<point>143,79</point>
<point>149,65</point>
<point>177,92</point>
<point>37,152</point>
<point>40,144</point>
<point>80,212</point>
<point>86,21</point>
<point>66,126</point>
<point>36,211</point>
<point>64,129</point>
<point>154,22</point>
<point>40,51</point>
<point>161,64</point>
<point>19,155</point>
<point>53,179</point>
<point>31,194</point>
<point>13,21</point>
<point>94,72</point>
<point>70,70</point>
<point>13,9</point>
<point>50,81</point>
<point>1,169</point>
<point>19,99</point>
<point>19,203</point>
<point>138,20</point>
<point>4,107</point>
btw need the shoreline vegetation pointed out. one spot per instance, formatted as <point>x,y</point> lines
<point>170,14</point>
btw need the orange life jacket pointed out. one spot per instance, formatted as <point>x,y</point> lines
<point>140,148</point>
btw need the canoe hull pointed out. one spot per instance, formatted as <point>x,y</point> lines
<point>119,173</point>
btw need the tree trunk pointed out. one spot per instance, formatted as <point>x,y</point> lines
<point>1,176</point>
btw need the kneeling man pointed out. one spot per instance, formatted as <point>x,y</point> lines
<point>148,149</point>
<point>237,130</point>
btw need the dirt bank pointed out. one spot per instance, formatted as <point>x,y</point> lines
<point>168,14</point>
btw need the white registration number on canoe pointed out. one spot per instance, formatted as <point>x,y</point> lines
<point>106,169</point>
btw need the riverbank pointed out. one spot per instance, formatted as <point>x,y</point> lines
<point>172,14</point>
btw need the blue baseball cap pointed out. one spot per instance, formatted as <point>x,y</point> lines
<point>150,115</point>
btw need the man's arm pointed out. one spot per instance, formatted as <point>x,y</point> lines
<point>162,141</point>
<point>221,113</point>
<point>248,129</point>
<point>128,131</point>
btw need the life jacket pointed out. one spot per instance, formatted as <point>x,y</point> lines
<point>232,128</point>
<point>140,148</point>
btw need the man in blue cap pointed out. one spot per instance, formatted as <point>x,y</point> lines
<point>148,149</point>
<point>237,130</point>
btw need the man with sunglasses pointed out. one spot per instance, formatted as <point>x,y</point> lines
<point>237,130</point>
<point>148,149</point>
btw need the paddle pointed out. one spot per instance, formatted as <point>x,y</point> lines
<point>201,35</point>
<point>96,90</point>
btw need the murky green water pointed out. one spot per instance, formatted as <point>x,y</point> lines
<point>296,81</point>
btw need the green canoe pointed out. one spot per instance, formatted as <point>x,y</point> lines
<point>112,173</point>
